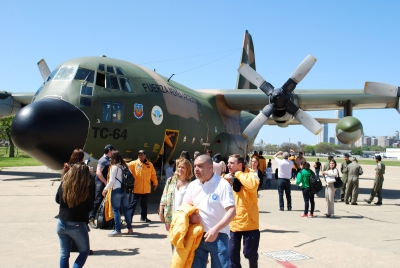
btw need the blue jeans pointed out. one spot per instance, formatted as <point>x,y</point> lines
<point>77,231</point>
<point>317,172</point>
<point>284,185</point>
<point>218,251</point>
<point>120,199</point>
<point>308,198</point>
<point>251,240</point>
<point>143,205</point>
<point>267,183</point>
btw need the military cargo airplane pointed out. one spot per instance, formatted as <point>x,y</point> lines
<point>89,102</point>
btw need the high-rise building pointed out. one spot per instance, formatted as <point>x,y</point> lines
<point>338,114</point>
<point>332,140</point>
<point>323,135</point>
<point>396,135</point>
<point>374,141</point>
<point>381,141</point>
<point>367,140</point>
<point>359,142</point>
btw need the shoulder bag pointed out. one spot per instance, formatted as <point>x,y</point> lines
<point>338,182</point>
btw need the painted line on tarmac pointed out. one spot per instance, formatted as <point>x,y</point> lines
<point>286,264</point>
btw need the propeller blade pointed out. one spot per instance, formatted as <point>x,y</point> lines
<point>298,74</point>
<point>257,123</point>
<point>250,74</point>
<point>381,89</point>
<point>44,69</point>
<point>308,121</point>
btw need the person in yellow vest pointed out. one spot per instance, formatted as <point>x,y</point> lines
<point>144,173</point>
<point>246,222</point>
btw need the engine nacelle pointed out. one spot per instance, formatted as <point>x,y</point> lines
<point>282,118</point>
<point>8,106</point>
<point>349,129</point>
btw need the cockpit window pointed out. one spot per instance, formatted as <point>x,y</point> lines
<point>101,67</point>
<point>53,73</point>
<point>65,73</point>
<point>85,75</point>
<point>120,71</point>
<point>112,82</point>
<point>106,111</point>
<point>125,85</point>
<point>118,112</point>
<point>110,69</point>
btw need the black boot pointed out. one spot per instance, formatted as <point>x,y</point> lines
<point>342,198</point>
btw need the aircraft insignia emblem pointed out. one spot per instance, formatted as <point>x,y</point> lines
<point>157,115</point>
<point>138,110</point>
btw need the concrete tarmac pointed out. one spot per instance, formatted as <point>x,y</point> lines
<point>357,236</point>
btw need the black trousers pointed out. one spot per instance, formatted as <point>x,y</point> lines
<point>98,197</point>
<point>143,205</point>
<point>251,241</point>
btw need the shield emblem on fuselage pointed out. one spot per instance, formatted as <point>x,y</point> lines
<point>138,110</point>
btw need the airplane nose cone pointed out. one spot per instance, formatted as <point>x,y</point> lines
<point>49,130</point>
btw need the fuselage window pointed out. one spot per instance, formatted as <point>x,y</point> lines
<point>65,73</point>
<point>85,90</point>
<point>110,69</point>
<point>125,85</point>
<point>112,82</point>
<point>118,112</point>
<point>100,79</point>
<point>120,71</point>
<point>106,111</point>
<point>84,101</point>
<point>101,67</point>
<point>85,75</point>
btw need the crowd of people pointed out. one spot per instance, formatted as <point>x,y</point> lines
<point>218,200</point>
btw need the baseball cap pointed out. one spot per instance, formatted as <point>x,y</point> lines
<point>378,157</point>
<point>346,154</point>
<point>108,148</point>
<point>142,152</point>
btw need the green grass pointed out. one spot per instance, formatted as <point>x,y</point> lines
<point>18,162</point>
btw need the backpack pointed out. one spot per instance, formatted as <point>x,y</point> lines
<point>128,181</point>
<point>315,184</point>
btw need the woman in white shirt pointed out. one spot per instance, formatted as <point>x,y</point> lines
<point>119,196</point>
<point>330,176</point>
<point>174,191</point>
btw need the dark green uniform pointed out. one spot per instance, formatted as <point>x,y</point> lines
<point>354,170</point>
<point>343,169</point>
<point>377,189</point>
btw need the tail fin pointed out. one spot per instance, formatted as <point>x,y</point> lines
<point>248,58</point>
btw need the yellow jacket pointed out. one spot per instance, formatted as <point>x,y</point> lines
<point>263,164</point>
<point>246,202</point>
<point>185,236</point>
<point>143,173</point>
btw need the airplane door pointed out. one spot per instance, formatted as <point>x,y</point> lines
<point>171,138</point>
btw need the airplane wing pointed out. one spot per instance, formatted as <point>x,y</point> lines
<point>11,103</point>
<point>307,100</point>
<point>272,122</point>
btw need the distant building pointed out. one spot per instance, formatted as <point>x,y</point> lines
<point>396,135</point>
<point>359,142</point>
<point>338,114</point>
<point>374,141</point>
<point>323,135</point>
<point>382,141</point>
<point>367,140</point>
<point>332,140</point>
<point>299,143</point>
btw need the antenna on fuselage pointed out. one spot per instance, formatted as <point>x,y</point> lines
<point>170,77</point>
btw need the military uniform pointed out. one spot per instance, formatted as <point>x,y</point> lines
<point>377,189</point>
<point>343,169</point>
<point>354,170</point>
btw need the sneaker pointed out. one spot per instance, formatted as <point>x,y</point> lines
<point>92,224</point>
<point>281,209</point>
<point>115,233</point>
<point>378,203</point>
<point>130,231</point>
<point>310,215</point>
<point>369,202</point>
<point>289,209</point>
<point>354,204</point>
<point>303,215</point>
<point>347,203</point>
<point>145,220</point>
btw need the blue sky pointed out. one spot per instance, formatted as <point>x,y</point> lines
<point>353,41</point>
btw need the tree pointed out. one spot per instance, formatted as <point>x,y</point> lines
<point>357,151</point>
<point>324,148</point>
<point>309,150</point>
<point>271,149</point>
<point>286,147</point>
<point>5,133</point>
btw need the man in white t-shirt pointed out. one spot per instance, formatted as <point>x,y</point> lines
<point>213,197</point>
<point>284,175</point>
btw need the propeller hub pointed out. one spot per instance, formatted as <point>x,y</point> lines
<point>279,98</point>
